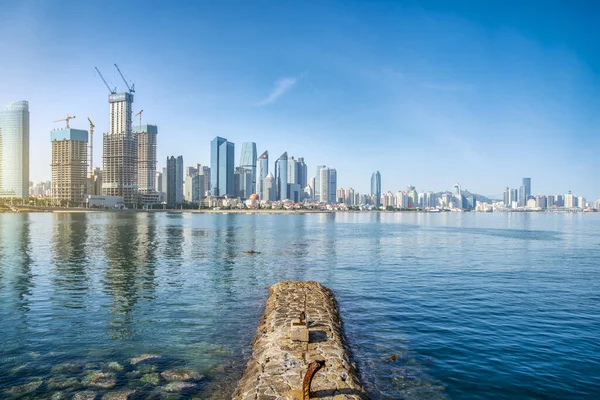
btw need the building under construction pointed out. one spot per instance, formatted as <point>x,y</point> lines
<point>119,152</point>
<point>146,137</point>
<point>120,148</point>
<point>69,165</point>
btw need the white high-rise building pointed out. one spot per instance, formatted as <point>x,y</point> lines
<point>570,200</point>
<point>14,150</point>
<point>327,185</point>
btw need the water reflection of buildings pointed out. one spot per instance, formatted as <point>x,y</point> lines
<point>127,277</point>
<point>16,280</point>
<point>69,255</point>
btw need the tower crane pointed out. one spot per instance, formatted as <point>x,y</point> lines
<point>132,87</point>
<point>140,114</point>
<point>92,126</point>
<point>69,117</point>
<point>112,91</point>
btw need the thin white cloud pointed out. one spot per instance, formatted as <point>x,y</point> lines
<point>448,87</point>
<point>282,86</point>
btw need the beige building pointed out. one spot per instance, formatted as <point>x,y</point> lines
<point>69,165</point>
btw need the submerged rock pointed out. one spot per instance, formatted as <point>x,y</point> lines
<point>66,367</point>
<point>60,396</point>
<point>86,395</point>
<point>25,389</point>
<point>119,395</point>
<point>100,380</point>
<point>146,368</point>
<point>178,387</point>
<point>115,366</point>
<point>181,375</point>
<point>62,382</point>
<point>144,357</point>
<point>20,368</point>
<point>152,379</point>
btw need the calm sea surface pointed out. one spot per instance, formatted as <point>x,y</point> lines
<point>475,306</point>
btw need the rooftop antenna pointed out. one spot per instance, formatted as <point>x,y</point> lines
<point>132,87</point>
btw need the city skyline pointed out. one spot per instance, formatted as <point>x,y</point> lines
<point>492,116</point>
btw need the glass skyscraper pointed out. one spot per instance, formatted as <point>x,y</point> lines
<point>222,155</point>
<point>376,188</point>
<point>262,172</point>
<point>527,186</point>
<point>281,177</point>
<point>14,150</point>
<point>248,161</point>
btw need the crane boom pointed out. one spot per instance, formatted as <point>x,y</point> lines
<point>132,87</point>
<point>112,91</point>
<point>67,119</point>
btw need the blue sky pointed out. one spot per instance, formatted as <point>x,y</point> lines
<point>429,93</point>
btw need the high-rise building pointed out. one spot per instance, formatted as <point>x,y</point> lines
<point>14,150</point>
<point>174,181</point>
<point>243,182</point>
<point>522,196</point>
<point>222,155</point>
<point>96,182</point>
<point>527,186</point>
<point>69,165</point>
<point>146,138</point>
<point>328,185</point>
<point>317,186</point>
<point>158,183</point>
<point>281,177</point>
<point>301,173</point>
<point>120,152</point>
<point>248,161</point>
<point>507,197</point>
<point>376,188</point>
<point>570,200</point>
<point>269,188</point>
<point>262,172</point>
<point>514,196</point>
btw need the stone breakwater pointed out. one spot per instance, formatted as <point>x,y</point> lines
<point>279,364</point>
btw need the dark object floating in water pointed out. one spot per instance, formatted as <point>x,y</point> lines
<point>393,358</point>
<point>252,252</point>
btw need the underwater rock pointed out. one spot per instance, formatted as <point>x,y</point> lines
<point>119,395</point>
<point>115,366</point>
<point>146,368</point>
<point>172,375</point>
<point>25,389</point>
<point>66,367</point>
<point>85,395</point>
<point>144,357</point>
<point>62,382</point>
<point>100,380</point>
<point>20,368</point>
<point>59,396</point>
<point>178,387</point>
<point>152,378</point>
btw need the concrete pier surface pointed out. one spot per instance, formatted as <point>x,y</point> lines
<point>301,330</point>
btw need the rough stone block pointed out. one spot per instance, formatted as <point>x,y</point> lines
<point>298,333</point>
